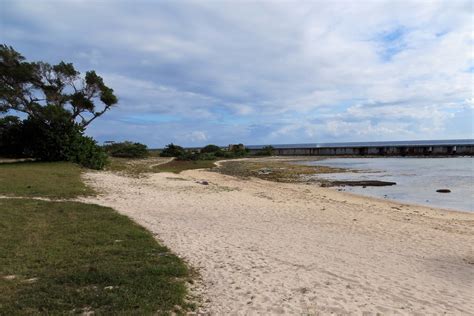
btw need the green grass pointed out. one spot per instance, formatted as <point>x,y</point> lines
<point>69,257</point>
<point>65,256</point>
<point>177,166</point>
<point>42,179</point>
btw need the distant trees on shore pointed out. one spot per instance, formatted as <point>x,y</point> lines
<point>209,152</point>
<point>127,150</point>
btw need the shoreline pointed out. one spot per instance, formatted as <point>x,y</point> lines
<point>268,247</point>
<point>353,178</point>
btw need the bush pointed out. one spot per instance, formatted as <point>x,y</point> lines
<point>207,156</point>
<point>85,151</point>
<point>127,150</point>
<point>265,151</point>
<point>50,135</point>
<point>11,129</point>
<point>173,150</point>
<point>210,149</point>
<point>238,151</point>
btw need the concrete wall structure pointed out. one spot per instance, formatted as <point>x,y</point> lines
<point>409,150</point>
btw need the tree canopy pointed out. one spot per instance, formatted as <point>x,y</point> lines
<point>29,86</point>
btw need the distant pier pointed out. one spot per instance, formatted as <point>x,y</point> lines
<point>454,149</point>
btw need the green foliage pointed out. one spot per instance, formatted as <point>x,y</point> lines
<point>265,151</point>
<point>209,152</point>
<point>59,106</point>
<point>84,150</point>
<point>172,150</point>
<point>50,135</point>
<point>188,155</point>
<point>207,156</point>
<point>11,137</point>
<point>239,151</point>
<point>127,150</point>
<point>28,86</point>
<point>211,149</point>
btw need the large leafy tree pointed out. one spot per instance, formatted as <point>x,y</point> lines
<point>30,86</point>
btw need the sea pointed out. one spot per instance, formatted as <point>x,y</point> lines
<point>417,179</point>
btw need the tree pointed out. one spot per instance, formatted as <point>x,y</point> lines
<point>127,150</point>
<point>172,150</point>
<point>211,149</point>
<point>266,151</point>
<point>29,86</point>
<point>11,137</point>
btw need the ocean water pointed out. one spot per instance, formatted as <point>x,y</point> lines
<point>417,179</point>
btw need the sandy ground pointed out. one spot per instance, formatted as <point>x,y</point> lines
<point>270,248</point>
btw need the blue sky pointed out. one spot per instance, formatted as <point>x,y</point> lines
<point>259,72</point>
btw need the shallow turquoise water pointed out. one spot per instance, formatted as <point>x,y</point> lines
<point>417,179</point>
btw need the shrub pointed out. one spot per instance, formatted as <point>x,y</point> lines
<point>207,156</point>
<point>265,151</point>
<point>11,129</point>
<point>127,150</point>
<point>238,151</point>
<point>50,135</point>
<point>173,150</point>
<point>210,149</point>
<point>85,151</point>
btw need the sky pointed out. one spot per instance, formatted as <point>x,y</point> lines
<point>262,72</point>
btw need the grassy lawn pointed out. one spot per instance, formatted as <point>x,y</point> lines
<point>42,179</point>
<point>69,257</point>
<point>74,257</point>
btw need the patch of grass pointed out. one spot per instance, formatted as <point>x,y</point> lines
<point>177,166</point>
<point>45,179</point>
<point>133,167</point>
<point>68,257</point>
<point>274,170</point>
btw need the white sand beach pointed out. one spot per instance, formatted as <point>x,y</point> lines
<point>273,248</point>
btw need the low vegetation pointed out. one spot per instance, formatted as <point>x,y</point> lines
<point>177,166</point>
<point>58,180</point>
<point>209,152</point>
<point>134,167</point>
<point>127,150</point>
<point>74,258</point>
<point>266,151</point>
<point>49,136</point>
<point>67,257</point>
<point>279,170</point>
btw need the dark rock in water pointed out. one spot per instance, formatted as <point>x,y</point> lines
<point>443,191</point>
<point>362,183</point>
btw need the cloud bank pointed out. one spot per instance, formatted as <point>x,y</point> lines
<point>259,72</point>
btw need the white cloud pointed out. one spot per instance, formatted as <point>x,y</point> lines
<point>366,69</point>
